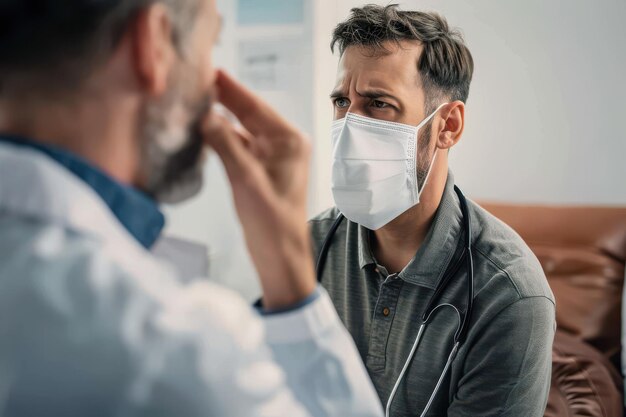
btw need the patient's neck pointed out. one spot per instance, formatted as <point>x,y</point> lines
<point>395,244</point>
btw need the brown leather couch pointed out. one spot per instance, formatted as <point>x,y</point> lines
<point>583,252</point>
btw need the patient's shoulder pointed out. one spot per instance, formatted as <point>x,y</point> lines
<point>504,249</point>
<point>321,223</point>
<point>320,226</point>
<point>324,217</point>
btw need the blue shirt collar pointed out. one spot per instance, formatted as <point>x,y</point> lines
<point>137,212</point>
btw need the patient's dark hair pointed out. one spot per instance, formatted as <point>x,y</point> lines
<point>445,65</point>
<point>60,41</point>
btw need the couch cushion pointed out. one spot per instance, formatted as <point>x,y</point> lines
<point>584,383</point>
<point>582,251</point>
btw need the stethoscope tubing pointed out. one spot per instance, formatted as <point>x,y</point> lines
<point>409,358</point>
<point>464,321</point>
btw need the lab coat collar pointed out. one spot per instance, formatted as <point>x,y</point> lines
<point>34,186</point>
<point>139,214</point>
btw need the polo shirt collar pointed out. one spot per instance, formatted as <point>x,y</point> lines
<point>366,257</point>
<point>434,254</point>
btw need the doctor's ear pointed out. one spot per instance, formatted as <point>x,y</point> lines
<point>153,50</point>
<point>452,123</point>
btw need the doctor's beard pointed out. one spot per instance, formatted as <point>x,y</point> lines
<point>173,144</point>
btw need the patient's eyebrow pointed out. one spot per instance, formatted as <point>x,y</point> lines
<point>370,93</point>
<point>337,93</point>
<point>376,93</point>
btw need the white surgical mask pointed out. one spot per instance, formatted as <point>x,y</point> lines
<point>374,177</point>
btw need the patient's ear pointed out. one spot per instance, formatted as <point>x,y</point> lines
<point>451,124</point>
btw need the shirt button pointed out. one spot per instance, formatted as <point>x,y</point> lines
<point>386,311</point>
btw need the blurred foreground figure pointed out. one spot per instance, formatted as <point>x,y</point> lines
<point>104,111</point>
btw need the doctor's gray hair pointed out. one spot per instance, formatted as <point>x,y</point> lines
<point>57,43</point>
<point>445,65</point>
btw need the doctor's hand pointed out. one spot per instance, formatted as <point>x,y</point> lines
<point>267,163</point>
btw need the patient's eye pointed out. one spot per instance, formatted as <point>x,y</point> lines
<point>341,102</point>
<point>380,104</point>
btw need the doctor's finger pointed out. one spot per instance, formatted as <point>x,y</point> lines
<point>230,145</point>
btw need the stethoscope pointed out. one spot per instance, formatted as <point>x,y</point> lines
<point>432,306</point>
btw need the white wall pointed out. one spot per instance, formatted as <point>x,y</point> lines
<point>547,102</point>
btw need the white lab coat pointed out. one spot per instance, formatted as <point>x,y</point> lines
<point>91,324</point>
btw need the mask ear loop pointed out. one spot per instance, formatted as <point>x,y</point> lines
<point>430,116</point>
<point>430,169</point>
<point>432,161</point>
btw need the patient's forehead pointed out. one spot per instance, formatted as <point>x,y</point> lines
<point>394,67</point>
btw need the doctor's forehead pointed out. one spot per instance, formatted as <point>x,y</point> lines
<point>394,67</point>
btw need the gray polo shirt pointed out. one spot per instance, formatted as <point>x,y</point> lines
<point>504,366</point>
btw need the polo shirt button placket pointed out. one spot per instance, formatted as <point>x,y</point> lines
<point>381,323</point>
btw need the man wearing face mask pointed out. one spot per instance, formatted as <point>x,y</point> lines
<point>450,310</point>
<point>104,112</point>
